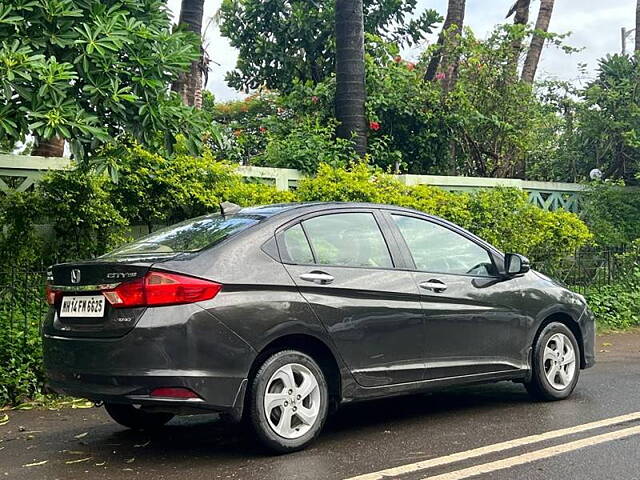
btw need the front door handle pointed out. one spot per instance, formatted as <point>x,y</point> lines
<point>434,285</point>
<point>320,278</point>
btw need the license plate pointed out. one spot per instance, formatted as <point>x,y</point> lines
<point>82,306</point>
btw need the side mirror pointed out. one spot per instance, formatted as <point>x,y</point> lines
<point>515,264</point>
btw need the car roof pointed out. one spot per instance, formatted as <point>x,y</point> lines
<point>281,208</point>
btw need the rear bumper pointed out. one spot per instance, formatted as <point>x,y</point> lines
<point>199,353</point>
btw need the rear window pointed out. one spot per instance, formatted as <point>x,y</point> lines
<point>189,236</point>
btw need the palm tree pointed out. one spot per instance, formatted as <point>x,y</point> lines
<point>537,42</point>
<point>520,12</point>
<point>350,86</point>
<point>446,41</point>
<point>189,85</point>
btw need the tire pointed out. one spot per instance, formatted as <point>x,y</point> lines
<point>136,418</point>
<point>296,412</point>
<point>546,383</point>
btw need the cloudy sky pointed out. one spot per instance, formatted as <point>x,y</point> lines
<point>595,27</point>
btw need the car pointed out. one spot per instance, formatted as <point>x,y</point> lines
<point>279,314</point>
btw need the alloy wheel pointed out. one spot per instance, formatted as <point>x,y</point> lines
<point>559,361</point>
<point>292,401</point>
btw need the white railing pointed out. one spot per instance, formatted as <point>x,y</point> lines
<point>18,172</point>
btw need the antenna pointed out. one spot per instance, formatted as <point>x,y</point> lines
<point>228,208</point>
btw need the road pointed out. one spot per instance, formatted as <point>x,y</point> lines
<point>432,436</point>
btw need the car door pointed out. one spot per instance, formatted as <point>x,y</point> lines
<point>472,322</point>
<point>344,267</point>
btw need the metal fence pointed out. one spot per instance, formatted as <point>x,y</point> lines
<point>589,267</point>
<point>22,303</point>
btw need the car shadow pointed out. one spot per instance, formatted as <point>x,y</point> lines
<point>209,435</point>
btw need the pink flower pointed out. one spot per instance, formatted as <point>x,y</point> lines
<point>441,76</point>
<point>375,126</point>
<point>315,99</point>
<point>263,129</point>
<point>411,66</point>
<point>397,59</point>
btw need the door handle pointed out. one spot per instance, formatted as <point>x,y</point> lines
<point>320,278</point>
<point>434,285</point>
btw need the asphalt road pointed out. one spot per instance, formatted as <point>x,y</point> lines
<point>416,435</point>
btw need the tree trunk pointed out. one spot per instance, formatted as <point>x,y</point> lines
<point>446,42</point>
<point>537,42</point>
<point>350,75</point>
<point>54,147</point>
<point>521,10</point>
<point>638,26</point>
<point>189,84</point>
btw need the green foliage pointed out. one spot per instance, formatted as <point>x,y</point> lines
<point>280,42</point>
<point>608,120</point>
<point>501,216</point>
<point>613,212</point>
<point>84,218</point>
<point>305,147</point>
<point>617,306</point>
<point>412,120</point>
<point>496,120</point>
<point>19,241</point>
<point>87,71</point>
<point>21,372</point>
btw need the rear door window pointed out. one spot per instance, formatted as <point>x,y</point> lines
<point>347,239</point>
<point>297,246</point>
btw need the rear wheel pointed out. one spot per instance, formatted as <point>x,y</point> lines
<point>556,364</point>
<point>288,401</point>
<point>136,418</point>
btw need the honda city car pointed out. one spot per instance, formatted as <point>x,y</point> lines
<point>279,314</point>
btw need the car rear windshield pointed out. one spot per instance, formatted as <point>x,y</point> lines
<point>189,236</point>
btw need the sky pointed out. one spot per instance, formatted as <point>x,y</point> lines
<point>595,26</point>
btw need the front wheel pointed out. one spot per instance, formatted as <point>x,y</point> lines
<point>136,418</point>
<point>555,364</point>
<point>288,401</point>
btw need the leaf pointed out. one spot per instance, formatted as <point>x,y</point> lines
<point>35,464</point>
<point>4,419</point>
<point>80,460</point>
<point>81,435</point>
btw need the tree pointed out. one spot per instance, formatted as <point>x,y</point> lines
<point>281,41</point>
<point>189,84</point>
<point>87,72</point>
<point>444,57</point>
<point>350,88</point>
<point>537,42</point>
<point>606,134</point>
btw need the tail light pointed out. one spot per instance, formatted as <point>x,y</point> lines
<point>52,295</point>
<point>160,288</point>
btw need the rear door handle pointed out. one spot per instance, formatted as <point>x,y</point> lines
<point>320,278</point>
<point>434,285</point>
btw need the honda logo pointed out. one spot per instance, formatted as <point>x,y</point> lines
<point>75,276</point>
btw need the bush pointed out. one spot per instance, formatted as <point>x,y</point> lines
<point>613,213</point>
<point>617,306</point>
<point>21,373</point>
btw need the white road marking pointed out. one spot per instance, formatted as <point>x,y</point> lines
<point>536,455</point>
<point>496,447</point>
